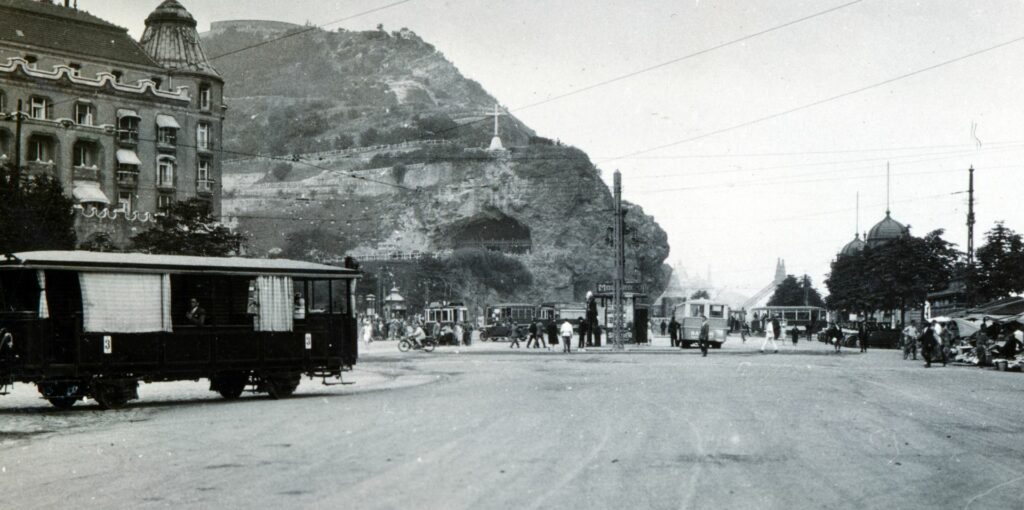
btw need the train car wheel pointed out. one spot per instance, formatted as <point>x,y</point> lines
<point>62,402</point>
<point>282,386</point>
<point>114,394</point>
<point>404,345</point>
<point>230,385</point>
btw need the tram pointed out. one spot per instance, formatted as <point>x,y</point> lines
<point>447,313</point>
<point>803,316</point>
<point>86,324</point>
<point>689,312</point>
<point>571,312</point>
<point>502,319</point>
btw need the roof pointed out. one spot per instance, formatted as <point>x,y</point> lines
<point>172,40</point>
<point>853,247</point>
<point>59,28</point>
<point>886,230</point>
<point>173,264</point>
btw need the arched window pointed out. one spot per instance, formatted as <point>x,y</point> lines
<point>165,172</point>
<point>205,97</point>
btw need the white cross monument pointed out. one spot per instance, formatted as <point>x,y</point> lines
<point>496,141</point>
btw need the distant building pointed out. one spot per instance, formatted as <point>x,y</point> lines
<point>126,126</point>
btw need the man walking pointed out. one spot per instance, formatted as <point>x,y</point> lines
<point>771,332</point>
<point>704,339</point>
<point>835,336</point>
<point>862,336</point>
<point>910,340</point>
<point>583,334</point>
<point>552,329</point>
<point>532,340</point>
<point>673,331</point>
<point>566,331</point>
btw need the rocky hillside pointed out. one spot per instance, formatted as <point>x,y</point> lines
<point>315,90</point>
<point>439,192</point>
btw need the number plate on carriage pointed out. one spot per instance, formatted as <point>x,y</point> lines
<point>309,341</point>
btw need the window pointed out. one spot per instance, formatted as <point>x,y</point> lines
<point>157,81</point>
<point>84,114</point>
<point>31,59</point>
<point>128,127</point>
<point>40,107</point>
<point>203,136</point>
<point>118,75</point>
<point>716,311</point>
<point>84,154</point>
<point>40,149</point>
<point>167,136</point>
<point>163,202</point>
<point>124,201</point>
<point>205,95</point>
<point>203,173</point>
<point>76,68</point>
<point>165,172</point>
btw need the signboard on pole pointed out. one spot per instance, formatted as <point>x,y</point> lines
<point>631,287</point>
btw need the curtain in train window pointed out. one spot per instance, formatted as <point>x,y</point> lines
<point>276,300</point>
<point>44,307</point>
<point>125,303</point>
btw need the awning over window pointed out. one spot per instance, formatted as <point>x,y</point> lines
<point>88,192</point>
<point>125,303</point>
<point>166,121</point>
<point>123,112</point>
<point>128,157</point>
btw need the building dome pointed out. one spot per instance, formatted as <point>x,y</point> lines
<point>172,40</point>
<point>394,296</point>
<point>853,247</point>
<point>885,231</point>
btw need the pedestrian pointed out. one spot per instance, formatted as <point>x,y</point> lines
<point>927,342</point>
<point>566,331</point>
<point>583,334</point>
<point>367,332</point>
<point>592,320</point>
<point>744,330</point>
<point>910,334</point>
<point>704,339</point>
<point>835,336</point>
<point>459,333</point>
<point>552,329</point>
<point>771,332</point>
<point>539,326</point>
<point>664,326</point>
<point>673,331</point>
<point>862,335</point>
<point>795,334</point>
<point>939,340</point>
<point>515,333</point>
<point>811,328</point>
<point>597,335</point>
<point>532,340</point>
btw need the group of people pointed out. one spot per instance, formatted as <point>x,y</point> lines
<point>589,335</point>
<point>376,328</point>
<point>937,343</point>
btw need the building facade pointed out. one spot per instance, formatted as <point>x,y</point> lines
<point>128,127</point>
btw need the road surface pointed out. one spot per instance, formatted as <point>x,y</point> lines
<point>491,427</point>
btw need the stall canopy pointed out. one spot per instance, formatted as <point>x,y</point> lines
<point>88,192</point>
<point>125,303</point>
<point>128,157</point>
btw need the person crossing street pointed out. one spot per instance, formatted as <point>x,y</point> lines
<point>771,333</point>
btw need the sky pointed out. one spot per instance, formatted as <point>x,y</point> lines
<point>752,151</point>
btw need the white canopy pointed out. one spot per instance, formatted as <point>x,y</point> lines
<point>166,121</point>
<point>128,157</point>
<point>88,192</point>
<point>124,112</point>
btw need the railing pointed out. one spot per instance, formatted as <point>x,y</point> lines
<point>164,185</point>
<point>128,137</point>
<point>86,173</point>
<point>204,186</point>
<point>128,178</point>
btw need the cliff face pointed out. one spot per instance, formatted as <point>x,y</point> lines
<point>539,202</point>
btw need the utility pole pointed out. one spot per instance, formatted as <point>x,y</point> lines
<point>970,218</point>
<point>617,314</point>
<point>17,148</point>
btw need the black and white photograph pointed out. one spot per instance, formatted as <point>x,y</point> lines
<point>511,254</point>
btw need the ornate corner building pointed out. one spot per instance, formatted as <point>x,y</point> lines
<point>127,126</point>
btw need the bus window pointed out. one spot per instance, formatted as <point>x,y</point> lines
<point>339,297</point>
<point>717,311</point>
<point>696,310</point>
<point>790,315</point>
<point>803,315</point>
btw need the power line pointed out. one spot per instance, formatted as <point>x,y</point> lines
<point>310,29</point>
<point>818,102</point>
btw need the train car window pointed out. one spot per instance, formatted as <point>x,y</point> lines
<point>19,291</point>
<point>320,300</point>
<point>790,315</point>
<point>339,297</point>
<point>717,311</point>
<point>803,316</point>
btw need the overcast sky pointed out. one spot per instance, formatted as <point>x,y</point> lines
<point>785,187</point>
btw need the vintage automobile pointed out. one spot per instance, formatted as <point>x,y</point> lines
<point>87,324</point>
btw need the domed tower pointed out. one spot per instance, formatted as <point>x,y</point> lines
<point>173,42</point>
<point>853,247</point>
<point>886,230</point>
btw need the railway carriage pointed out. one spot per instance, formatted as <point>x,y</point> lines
<point>85,324</point>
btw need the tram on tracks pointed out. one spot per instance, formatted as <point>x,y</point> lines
<point>801,316</point>
<point>501,320</point>
<point>86,324</point>
<point>689,312</point>
<point>446,312</point>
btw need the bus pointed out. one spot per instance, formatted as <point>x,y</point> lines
<point>689,312</point>
<point>93,325</point>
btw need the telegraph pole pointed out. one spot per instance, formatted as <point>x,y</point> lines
<point>970,218</point>
<point>617,315</point>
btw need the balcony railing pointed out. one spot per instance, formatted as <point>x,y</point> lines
<point>128,178</point>
<point>165,185</point>
<point>127,137</point>
<point>86,173</point>
<point>204,186</point>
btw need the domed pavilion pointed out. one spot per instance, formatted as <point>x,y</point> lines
<point>886,230</point>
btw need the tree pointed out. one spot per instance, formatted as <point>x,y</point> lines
<point>793,292</point>
<point>1000,264</point>
<point>700,294</point>
<point>189,228</point>
<point>316,244</point>
<point>35,214</point>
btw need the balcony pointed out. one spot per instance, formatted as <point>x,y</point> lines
<point>86,173</point>
<point>128,137</point>
<point>128,178</point>
<point>204,187</point>
<point>165,185</point>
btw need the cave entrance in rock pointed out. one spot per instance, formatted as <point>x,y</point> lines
<point>495,233</point>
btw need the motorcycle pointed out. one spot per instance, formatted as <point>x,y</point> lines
<point>410,343</point>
